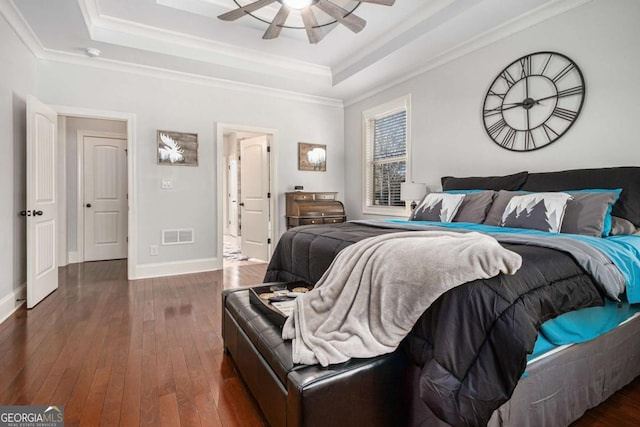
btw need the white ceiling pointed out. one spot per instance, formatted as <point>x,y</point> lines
<point>185,36</point>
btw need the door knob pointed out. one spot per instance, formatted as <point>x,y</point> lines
<point>88,205</point>
<point>37,213</point>
<point>241,203</point>
<point>25,213</point>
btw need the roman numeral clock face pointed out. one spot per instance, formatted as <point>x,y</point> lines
<point>533,101</point>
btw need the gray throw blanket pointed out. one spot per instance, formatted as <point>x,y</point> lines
<point>376,289</point>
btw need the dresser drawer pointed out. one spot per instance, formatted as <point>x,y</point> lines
<point>302,196</point>
<point>333,220</point>
<point>309,221</point>
<point>325,196</point>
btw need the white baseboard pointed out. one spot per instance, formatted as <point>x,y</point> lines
<point>144,271</point>
<point>73,257</point>
<point>9,304</point>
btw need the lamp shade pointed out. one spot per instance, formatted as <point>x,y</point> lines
<point>410,191</point>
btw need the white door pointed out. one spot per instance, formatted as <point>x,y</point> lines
<point>232,194</point>
<point>105,198</point>
<point>254,189</point>
<point>42,208</point>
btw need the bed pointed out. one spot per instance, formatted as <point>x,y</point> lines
<point>484,376</point>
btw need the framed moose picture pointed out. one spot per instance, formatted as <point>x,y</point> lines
<point>177,148</point>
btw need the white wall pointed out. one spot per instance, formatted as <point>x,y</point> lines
<point>17,80</point>
<point>172,104</point>
<point>448,136</point>
<point>73,125</point>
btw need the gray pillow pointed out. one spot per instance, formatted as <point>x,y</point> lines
<point>587,213</point>
<point>621,226</point>
<point>474,207</point>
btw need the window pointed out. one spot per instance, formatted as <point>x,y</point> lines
<point>386,149</point>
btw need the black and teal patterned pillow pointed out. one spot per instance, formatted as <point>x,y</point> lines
<point>440,207</point>
<point>537,211</point>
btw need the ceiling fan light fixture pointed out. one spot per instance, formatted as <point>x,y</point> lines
<point>303,7</point>
<point>297,4</point>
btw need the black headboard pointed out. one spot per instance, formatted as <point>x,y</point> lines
<point>627,178</point>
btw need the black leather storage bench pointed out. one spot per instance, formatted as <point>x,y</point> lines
<point>349,394</point>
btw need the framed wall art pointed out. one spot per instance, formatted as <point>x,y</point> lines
<point>312,157</point>
<point>177,148</point>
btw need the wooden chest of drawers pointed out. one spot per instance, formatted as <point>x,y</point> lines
<point>305,208</point>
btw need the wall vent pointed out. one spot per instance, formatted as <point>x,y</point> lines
<point>177,237</point>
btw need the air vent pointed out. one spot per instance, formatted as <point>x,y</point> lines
<point>177,237</point>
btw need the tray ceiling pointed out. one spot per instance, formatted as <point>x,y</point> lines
<point>185,36</point>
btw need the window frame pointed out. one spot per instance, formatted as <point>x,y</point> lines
<point>402,103</point>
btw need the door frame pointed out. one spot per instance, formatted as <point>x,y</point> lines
<point>81,134</point>
<point>228,160</point>
<point>130,120</point>
<point>221,128</point>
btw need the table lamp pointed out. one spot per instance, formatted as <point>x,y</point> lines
<point>412,192</point>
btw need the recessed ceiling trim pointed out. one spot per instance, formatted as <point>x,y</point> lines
<point>118,31</point>
<point>515,25</point>
<point>90,10</point>
<point>392,40</point>
<point>14,18</point>
<point>163,73</point>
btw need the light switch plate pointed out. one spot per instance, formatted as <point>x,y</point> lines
<point>167,183</point>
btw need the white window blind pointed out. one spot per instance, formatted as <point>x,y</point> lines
<point>386,130</point>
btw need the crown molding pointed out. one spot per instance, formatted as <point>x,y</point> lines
<point>163,73</point>
<point>515,25</point>
<point>20,26</point>
<point>16,21</point>
<point>122,32</point>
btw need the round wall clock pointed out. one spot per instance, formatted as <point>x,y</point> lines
<point>533,101</point>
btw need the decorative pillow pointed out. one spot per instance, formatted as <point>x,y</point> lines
<point>437,207</point>
<point>538,211</point>
<point>589,212</point>
<point>621,226</point>
<point>500,202</point>
<point>474,206</point>
<point>507,182</point>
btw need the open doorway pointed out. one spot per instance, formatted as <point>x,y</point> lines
<point>96,188</point>
<point>247,203</point>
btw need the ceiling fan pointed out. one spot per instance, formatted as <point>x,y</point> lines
<point>314,32</point>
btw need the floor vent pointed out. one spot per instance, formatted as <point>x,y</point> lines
<point>177,237</point>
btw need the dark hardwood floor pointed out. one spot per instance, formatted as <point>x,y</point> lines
<point>149,352</point>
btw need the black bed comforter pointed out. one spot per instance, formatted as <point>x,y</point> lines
<point>472,342</point>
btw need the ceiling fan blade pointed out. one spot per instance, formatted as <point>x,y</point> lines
<point>383,2</point>
<point>242,11</point>
<point>352,22</point>
<point>314,33</point>
<point>276,25</point>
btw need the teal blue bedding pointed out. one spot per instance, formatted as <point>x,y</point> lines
<point>581,325</point>
<point>588,323</point>
<point>623,251</point>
